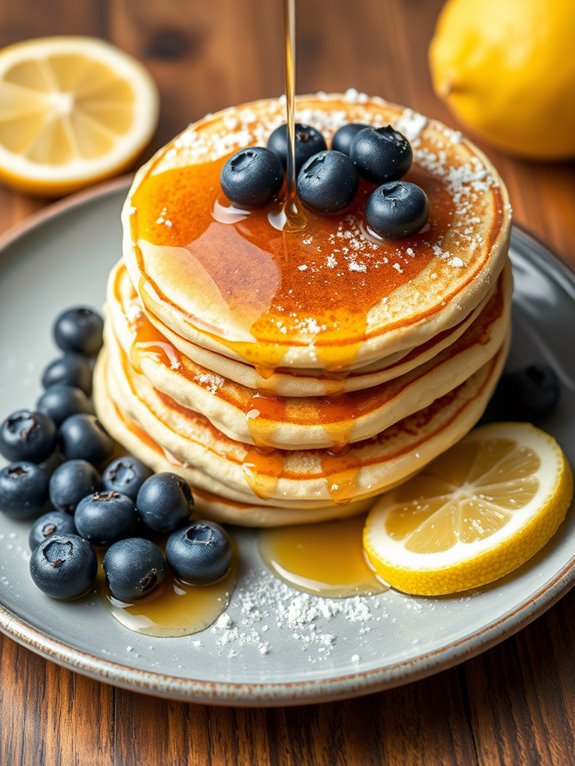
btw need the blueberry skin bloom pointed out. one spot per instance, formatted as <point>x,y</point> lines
<point>328,182</point>
<point>343,138</point>
<point>28,436</point>
<point>64,566</point>
<point>164,502</point>
<point>70,370</point>
<point>51,523</point>
<point>126,474</point>
<point>308,141</point>
<point>23,490</point>
<point>79,329</point>
<point>134,568</point>
<point>105,517</point>
<point>252,177</point>
<point>381,154</point>
<point>71,482</point>
<point>397,209</point>
<point>61,401</point>
<point>199,553</point>
<point>82,437</point>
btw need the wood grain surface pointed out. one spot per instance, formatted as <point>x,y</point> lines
<point>515,704</point>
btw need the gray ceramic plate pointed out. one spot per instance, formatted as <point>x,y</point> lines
<point>276,646</point>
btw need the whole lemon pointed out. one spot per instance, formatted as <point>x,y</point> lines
<point>506,68</point>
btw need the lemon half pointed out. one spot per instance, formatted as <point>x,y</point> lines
<point>476,513</point>
<point>73,110</point>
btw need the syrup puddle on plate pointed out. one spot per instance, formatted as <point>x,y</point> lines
<point>324,559</point>
<point>175,608</point>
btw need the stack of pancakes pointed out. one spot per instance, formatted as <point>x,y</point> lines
<point>290,376</point>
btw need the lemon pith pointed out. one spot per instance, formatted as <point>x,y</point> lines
<point>73,110</point>
<point>478,512</point>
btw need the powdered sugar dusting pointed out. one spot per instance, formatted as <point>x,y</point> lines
<point>309,622</point>
<point>411,124</point>
<point>210,381</point>
<point>134,312</point>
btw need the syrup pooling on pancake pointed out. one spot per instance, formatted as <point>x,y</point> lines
<point>317,298</point>
<point>290,423</point>
<point>315,285</point>
<point>146,344</point>
<point>305,475</point>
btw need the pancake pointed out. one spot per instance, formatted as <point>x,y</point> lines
<point>291,376</point>
<point>313,422</point>
<point>326,298</point>
<point>215,464</point>
<point>155,350</point>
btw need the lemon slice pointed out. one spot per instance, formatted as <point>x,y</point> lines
<point>73,110</point>
<point>474,514</point>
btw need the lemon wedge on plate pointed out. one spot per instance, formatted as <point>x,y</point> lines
<point>73,110</point>
<point>474,514</point>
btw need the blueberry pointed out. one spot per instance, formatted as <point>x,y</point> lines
<point>343,137</point>
<point>51,523</point>
<point>165,502</point>
<point>104,518</point>
<point>71,482</point>
<point>79,329</point>
<point>397,209</point>
<point>381,154</point>
<point>64,566</point>
<point>23,490</point>
<point>327,182</point>
<point>134,568</point>
<point>200,553</point>
<point>29,436</point>
<point>61,401</point>
<point>308,141</point>
<point>70,370</point>
<point>83,437</point>
<point>527,394</point>
<point>126,474</point>
<point>252,177</point>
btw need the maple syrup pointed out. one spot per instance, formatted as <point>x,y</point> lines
<point>325,559</point>
<point>275,303</point>
<point>295,218</point>
<point>174,608</point>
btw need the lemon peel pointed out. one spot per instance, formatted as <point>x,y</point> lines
<point>475,514</point>
<point>507,72</point>
<point>73,111</point>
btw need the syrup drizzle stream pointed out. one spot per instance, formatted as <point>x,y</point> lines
<point>295,218</point>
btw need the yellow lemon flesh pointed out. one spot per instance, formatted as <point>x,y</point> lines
<point>507,71</point>
<point>73,110</point>
<point>476,513</point>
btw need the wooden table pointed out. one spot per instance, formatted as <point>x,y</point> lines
<point>515,704</point>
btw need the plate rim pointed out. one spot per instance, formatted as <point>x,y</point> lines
<point>281,693</point>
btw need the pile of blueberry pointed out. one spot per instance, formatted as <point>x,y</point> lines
<point>60,471</point>
<point>328,179</point>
